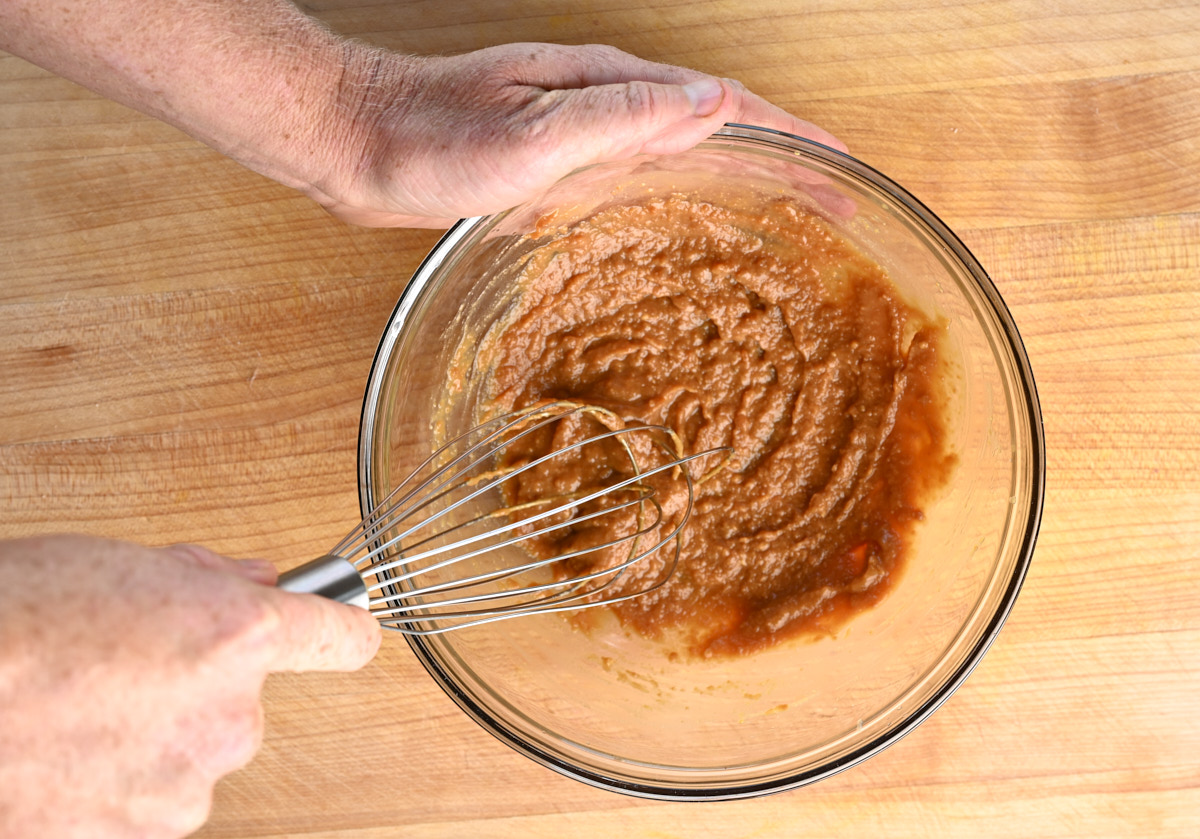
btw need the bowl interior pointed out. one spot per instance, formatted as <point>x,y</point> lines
<point>615,709</point>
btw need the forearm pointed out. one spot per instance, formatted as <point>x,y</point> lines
<point>255,79</point>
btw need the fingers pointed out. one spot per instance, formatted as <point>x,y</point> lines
<point>319,634</point>
<point>749,109</point>
<point>736,104</point>
<point>370,217</point>
<point>311,633</point>
<point>683,95</point>
<point>257,570</point>
<point>556,67</point>
<point>615,121</point>
<point>261,571</point>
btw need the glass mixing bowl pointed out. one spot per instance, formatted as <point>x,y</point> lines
<point>611,708</point>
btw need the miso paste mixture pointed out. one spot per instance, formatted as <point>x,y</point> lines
<point>759,329</point>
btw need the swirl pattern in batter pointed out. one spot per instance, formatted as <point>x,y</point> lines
<point>761,329</point>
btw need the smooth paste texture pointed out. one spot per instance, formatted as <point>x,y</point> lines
<point>760,329</point>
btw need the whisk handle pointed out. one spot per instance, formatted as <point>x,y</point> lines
<point>328,576</point>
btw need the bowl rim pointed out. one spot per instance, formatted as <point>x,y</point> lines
<point>778,140</point>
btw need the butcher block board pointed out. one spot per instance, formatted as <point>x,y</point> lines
<point>185,346</point>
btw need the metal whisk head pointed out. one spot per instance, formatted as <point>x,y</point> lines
<point>552,508</point>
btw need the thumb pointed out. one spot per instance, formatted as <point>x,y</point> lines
<point>639,116</point>
<point>319,634</point>
<point>704,96</point>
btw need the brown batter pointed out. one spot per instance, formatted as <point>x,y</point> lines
<point>762,330</point>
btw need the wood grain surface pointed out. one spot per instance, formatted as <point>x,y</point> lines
<point>185,346</point>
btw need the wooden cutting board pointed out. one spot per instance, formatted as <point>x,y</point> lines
<point>185,346</point>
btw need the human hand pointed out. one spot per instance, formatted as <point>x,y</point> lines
<point>130,679</point>
<point>377,137</point>
<point>426,141</point>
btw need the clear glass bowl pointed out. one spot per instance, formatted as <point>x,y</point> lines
<point>609,707</point>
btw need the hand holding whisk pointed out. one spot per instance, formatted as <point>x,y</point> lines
<point>552,508</point>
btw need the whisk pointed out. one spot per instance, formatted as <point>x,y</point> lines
<point>455,544</point>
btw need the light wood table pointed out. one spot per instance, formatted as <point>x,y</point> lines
<point>184,347</point>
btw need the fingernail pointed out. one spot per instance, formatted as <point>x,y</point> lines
<point>705,96</point>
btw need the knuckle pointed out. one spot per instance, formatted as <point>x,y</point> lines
<point>738,89</point>
<point>190,813</point>
<point>605,53</point>
<point>254,623</point>
<point>239,636</point>
<point>514,62</point>
<point>225,628</point>
<point>643,98</point>
<point>263,619</point>
<point>537,129</point>
<point>246,736</point>
<point>177,810</point>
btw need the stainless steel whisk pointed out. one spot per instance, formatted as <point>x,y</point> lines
<point>404,561</point>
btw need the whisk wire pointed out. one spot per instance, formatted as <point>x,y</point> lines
<point>576,596</point>
<point>570,600</point>
<point>507,528</point>
<point>533,565</point>
<point>445,476</point>
<point>390,518</point>
<point>416,535</point>
<point>514,540</point>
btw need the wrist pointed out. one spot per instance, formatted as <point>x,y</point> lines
<point>283,124</point>
<point>359,125</point>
